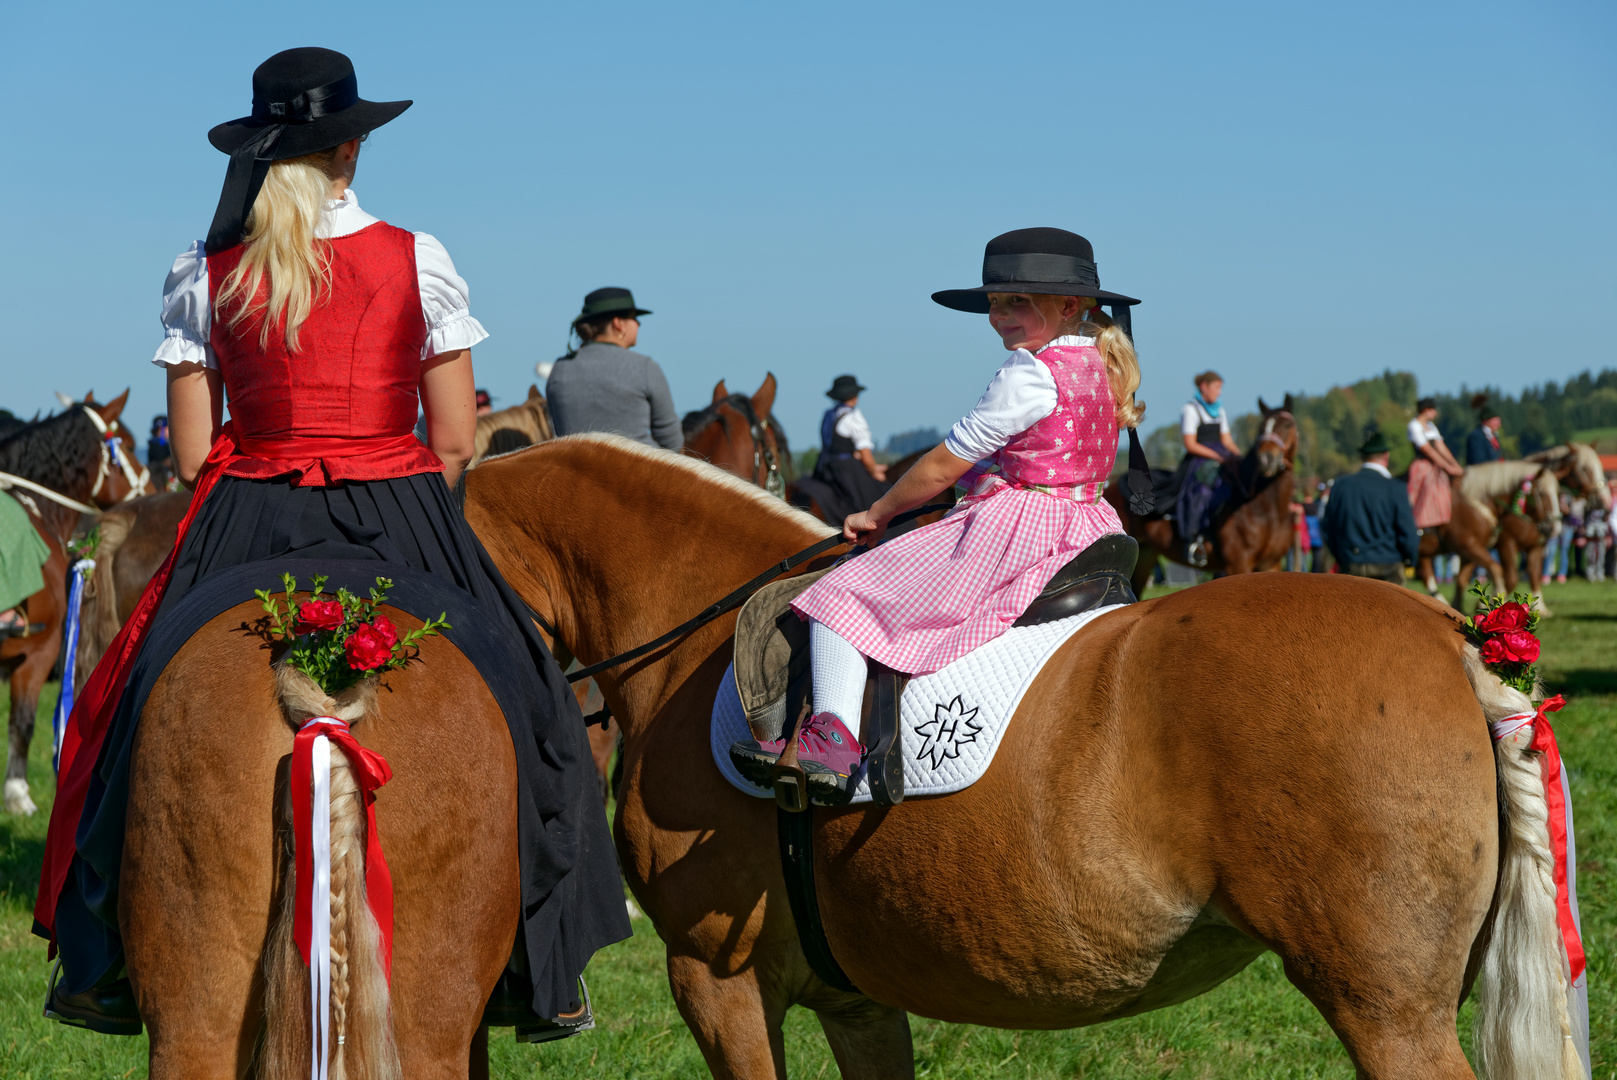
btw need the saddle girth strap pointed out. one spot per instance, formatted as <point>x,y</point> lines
<point>797,865</point>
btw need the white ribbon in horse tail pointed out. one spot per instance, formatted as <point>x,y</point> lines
<point>79,572</point>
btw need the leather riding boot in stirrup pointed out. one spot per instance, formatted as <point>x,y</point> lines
<point>511,1005</point>
<point>108,1008</point>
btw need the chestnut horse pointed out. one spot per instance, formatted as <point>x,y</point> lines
<point>205,909</point>
<point>740,435</point>
<point>1253,531</point>
<point>73,455</point>
<point>1139,837</point>
<point>135,538</point>
<point>1577,466</point>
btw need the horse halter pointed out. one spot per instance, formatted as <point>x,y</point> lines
<point>112,452</point>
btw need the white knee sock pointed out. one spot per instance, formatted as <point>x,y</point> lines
<point>839,675</point>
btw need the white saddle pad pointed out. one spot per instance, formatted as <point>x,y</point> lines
<point>952,719</point>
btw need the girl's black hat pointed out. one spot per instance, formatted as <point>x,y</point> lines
<point>304,100</point>
<point>844,387</point>
<point>1049,262</point>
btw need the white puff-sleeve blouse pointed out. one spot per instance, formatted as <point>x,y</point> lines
<point>1021,393</point>
<point>445,298</point>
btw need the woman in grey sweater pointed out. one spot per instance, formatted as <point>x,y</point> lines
<point>604,386</point>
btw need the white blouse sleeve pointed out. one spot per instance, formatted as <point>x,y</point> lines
<point>1189,419</point>
<point>853,425</point>
<point>445,301</point>
<point>1022,393</point>
<point>1417,433</point>
<point>187,314</point>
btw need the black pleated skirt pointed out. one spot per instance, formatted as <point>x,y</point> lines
<point>572,892</point>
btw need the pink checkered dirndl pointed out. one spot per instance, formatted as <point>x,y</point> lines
<point>930,596</point>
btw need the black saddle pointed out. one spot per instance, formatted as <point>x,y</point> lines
<point>1098,577</point>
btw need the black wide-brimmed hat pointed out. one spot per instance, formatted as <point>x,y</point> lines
<point>304,101</point>
<point>618,303</point>
<point>1374,443</point>
<point>844,387</point>
<point>1048,262</point>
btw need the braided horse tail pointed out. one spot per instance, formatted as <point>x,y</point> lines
<point>363,1046</point>
<point>1523,1028</point>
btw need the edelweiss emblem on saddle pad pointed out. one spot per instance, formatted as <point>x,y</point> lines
<point>953,718</point>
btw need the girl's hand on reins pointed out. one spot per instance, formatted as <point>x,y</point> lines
<point>864,528</point>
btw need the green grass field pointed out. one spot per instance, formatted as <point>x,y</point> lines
<point>1256,1025</point>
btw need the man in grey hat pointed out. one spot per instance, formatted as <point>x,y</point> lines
<point>604,386</point>
<point>1368,523</point>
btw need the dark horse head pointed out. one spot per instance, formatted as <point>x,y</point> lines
<point>71,452</point>
<point>740,435</point>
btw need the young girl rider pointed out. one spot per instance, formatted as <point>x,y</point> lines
<point>1049,422</point>
<point>325,328</point>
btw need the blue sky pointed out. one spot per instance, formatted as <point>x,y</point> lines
<point>1302,195</point>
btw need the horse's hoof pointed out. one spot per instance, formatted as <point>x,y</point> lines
<point>17,800</point>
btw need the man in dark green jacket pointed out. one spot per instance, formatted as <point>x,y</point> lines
<point>1368,524</point>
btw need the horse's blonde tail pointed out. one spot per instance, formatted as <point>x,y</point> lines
<point>1523,1029</point>
<point>361,1009</point>
<point>98,619</point>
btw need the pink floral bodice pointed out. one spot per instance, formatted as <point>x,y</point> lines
<point>1077,443</point>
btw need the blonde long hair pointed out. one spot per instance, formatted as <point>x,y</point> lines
<point>280,244</point>
<point>1114,346</point>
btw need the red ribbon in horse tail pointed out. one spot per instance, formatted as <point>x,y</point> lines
<point>310,781</point>
<point>92,712</point>
<point>1555,797</point>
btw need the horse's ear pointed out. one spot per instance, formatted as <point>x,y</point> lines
<point>533,391</point>
<point>763,402</point>
<point>1262,408</point>
<point>720,392</point>
<point>111,410</point>
<point>1287,404</point>
<point>67,402</point>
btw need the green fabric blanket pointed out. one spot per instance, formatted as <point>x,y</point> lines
<point>22,553</point>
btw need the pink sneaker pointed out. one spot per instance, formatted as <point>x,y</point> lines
<point>827,751</point>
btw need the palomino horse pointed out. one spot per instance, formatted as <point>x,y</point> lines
<point>530,419</point>
<point>739,434</point>
<point>1577,466</point>
<point>74,456</point>
<point>212,751</point>
<point>1254,529</point>
<point>1137,839</point>
<point>1511,506</point>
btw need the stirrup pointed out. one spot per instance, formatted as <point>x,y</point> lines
<point>1196,553</point>
<point>83,1010</point>
<point>564,1026</point>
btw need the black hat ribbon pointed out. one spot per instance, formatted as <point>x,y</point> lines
<point>250,162</point>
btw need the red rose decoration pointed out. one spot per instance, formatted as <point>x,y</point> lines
<point>368,648</point>
<point>1511,616</point>
<point>319,615</point>
<point>1510,647</point>
<point>385,627</point>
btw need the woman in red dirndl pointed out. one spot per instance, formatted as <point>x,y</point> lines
<point>325,329</point>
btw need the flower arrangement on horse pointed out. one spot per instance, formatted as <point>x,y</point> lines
<point>1505,633</point>
<point>338,640</point>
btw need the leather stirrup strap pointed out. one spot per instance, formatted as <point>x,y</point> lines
<point>884,761</point>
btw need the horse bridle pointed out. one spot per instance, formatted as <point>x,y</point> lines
<point>112,452</point>
<point>763,455</point>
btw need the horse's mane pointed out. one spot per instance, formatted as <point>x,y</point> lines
<point>683,469</point>
<point>1496,478</point>
<point>61,451</point>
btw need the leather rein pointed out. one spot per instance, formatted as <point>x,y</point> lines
<point>731,600</point>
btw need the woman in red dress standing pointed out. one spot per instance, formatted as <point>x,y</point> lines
<point>324,327</point>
